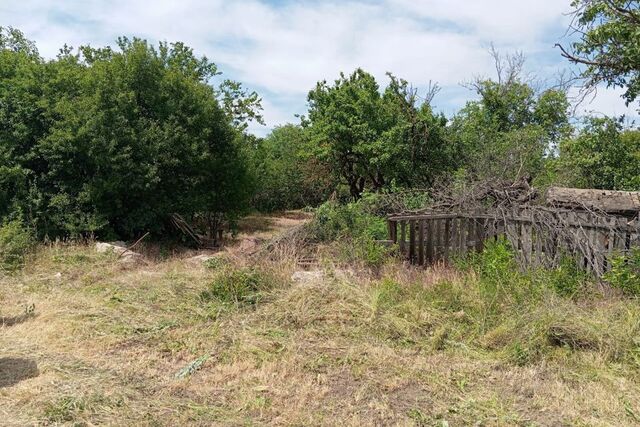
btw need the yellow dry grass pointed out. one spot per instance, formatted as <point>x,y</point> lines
<point>105,341</point>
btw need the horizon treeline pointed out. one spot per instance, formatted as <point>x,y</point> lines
<point>109,142</point>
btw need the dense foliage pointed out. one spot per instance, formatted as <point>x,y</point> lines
<point>376,140</point>
<point>287,173</point>
<point>15,243</point>
<point>111,141</point>
<point>602,155</point>
<point>609,44</point>
<point>511,128</point>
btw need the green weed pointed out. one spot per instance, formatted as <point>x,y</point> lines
<point>15,242</point>
<point>238,287</point>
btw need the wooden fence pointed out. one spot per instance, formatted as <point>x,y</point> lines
<point>540,237</point>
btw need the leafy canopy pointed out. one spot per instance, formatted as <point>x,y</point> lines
<point>376,140</point>
<point>609,44</point>
<point>111,141</point>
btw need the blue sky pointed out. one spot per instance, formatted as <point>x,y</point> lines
<point>281,48</point>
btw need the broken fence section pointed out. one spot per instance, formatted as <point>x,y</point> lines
<point>539,236</point>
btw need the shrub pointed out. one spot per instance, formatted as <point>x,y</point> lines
<point>15,242</point>
<point>355,228</point>
<point>372,253</point>
<point>333,221</point>
<point>566,279</point>
<point>142,125</point>
<point>625,273</point>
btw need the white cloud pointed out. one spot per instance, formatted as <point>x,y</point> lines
<point>282,49</point>
<point>604,102</point>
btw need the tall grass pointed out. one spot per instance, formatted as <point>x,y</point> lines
<point>523,317</point>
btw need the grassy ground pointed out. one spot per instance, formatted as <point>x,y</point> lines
<point>89,341</point>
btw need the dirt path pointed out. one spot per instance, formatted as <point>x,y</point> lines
<point>254,230</point>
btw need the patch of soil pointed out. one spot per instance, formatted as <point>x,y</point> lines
<point>15,369</point>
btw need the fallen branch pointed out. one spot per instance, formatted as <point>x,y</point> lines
<point>133,246</point>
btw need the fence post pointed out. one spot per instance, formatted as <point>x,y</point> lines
<point>412,241</point>
<point>429,240</point>
<point>421,242</point>
<point>393,230</point>
<point>403,231</point>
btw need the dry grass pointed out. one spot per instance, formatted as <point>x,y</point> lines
<point>106,341</point>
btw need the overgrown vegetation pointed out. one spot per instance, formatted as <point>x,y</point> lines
<point>237,287</point>
<point>625,273</point>
<point>239,342</point>
<point>109,142</point>
<point>523,318</point>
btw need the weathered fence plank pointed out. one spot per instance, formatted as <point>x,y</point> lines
<point>539,237</point>
<point>421,242</point>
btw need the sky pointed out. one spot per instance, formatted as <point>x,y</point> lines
<point>281,48</point>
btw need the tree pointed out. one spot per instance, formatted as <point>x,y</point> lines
<point>111,141</point>
<point>512,128</point>
<point>603,155</point>
<point>375,140</point>
<point>609,44</point>
<point>288,175</point>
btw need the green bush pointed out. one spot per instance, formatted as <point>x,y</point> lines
<point>239,287</point>
<point>353,220</point>
<point>566,279</point>
<point>142,126</point>
<point>15,242</point>
<point>355,230</point>
<point>625,273</point>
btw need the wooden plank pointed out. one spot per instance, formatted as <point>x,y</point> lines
<point>421,242</point>
<point>526,239</point>
<point>393,230</point>
<point>412,240</point>
<point>471,227</point>
<point>429,243</point>
<point>619,244</point>
<point>437,239</point>
<point>573,236</point>
<point>480,233</point>
<point>421,216</point>
<point>464,227</point>
<point>453,237</point>
<point>634,235</point>
<point>626,202</point>
<point>586,242</point>
<point>403,236</point>
<point>611,240</point>
<point>587,224</point>
<point>600,249</point>
<point>511,230</point>
<point>539,234</point>
<point>447,238</point>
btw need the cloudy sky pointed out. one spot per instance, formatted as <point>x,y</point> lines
<point>280,48</point>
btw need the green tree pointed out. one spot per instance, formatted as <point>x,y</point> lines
<point>609,44</point>
<point>511,129</point>
<point>373,140</point>
<point>113,140</point>
<point>288,175</point>
<point>603,155</point>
